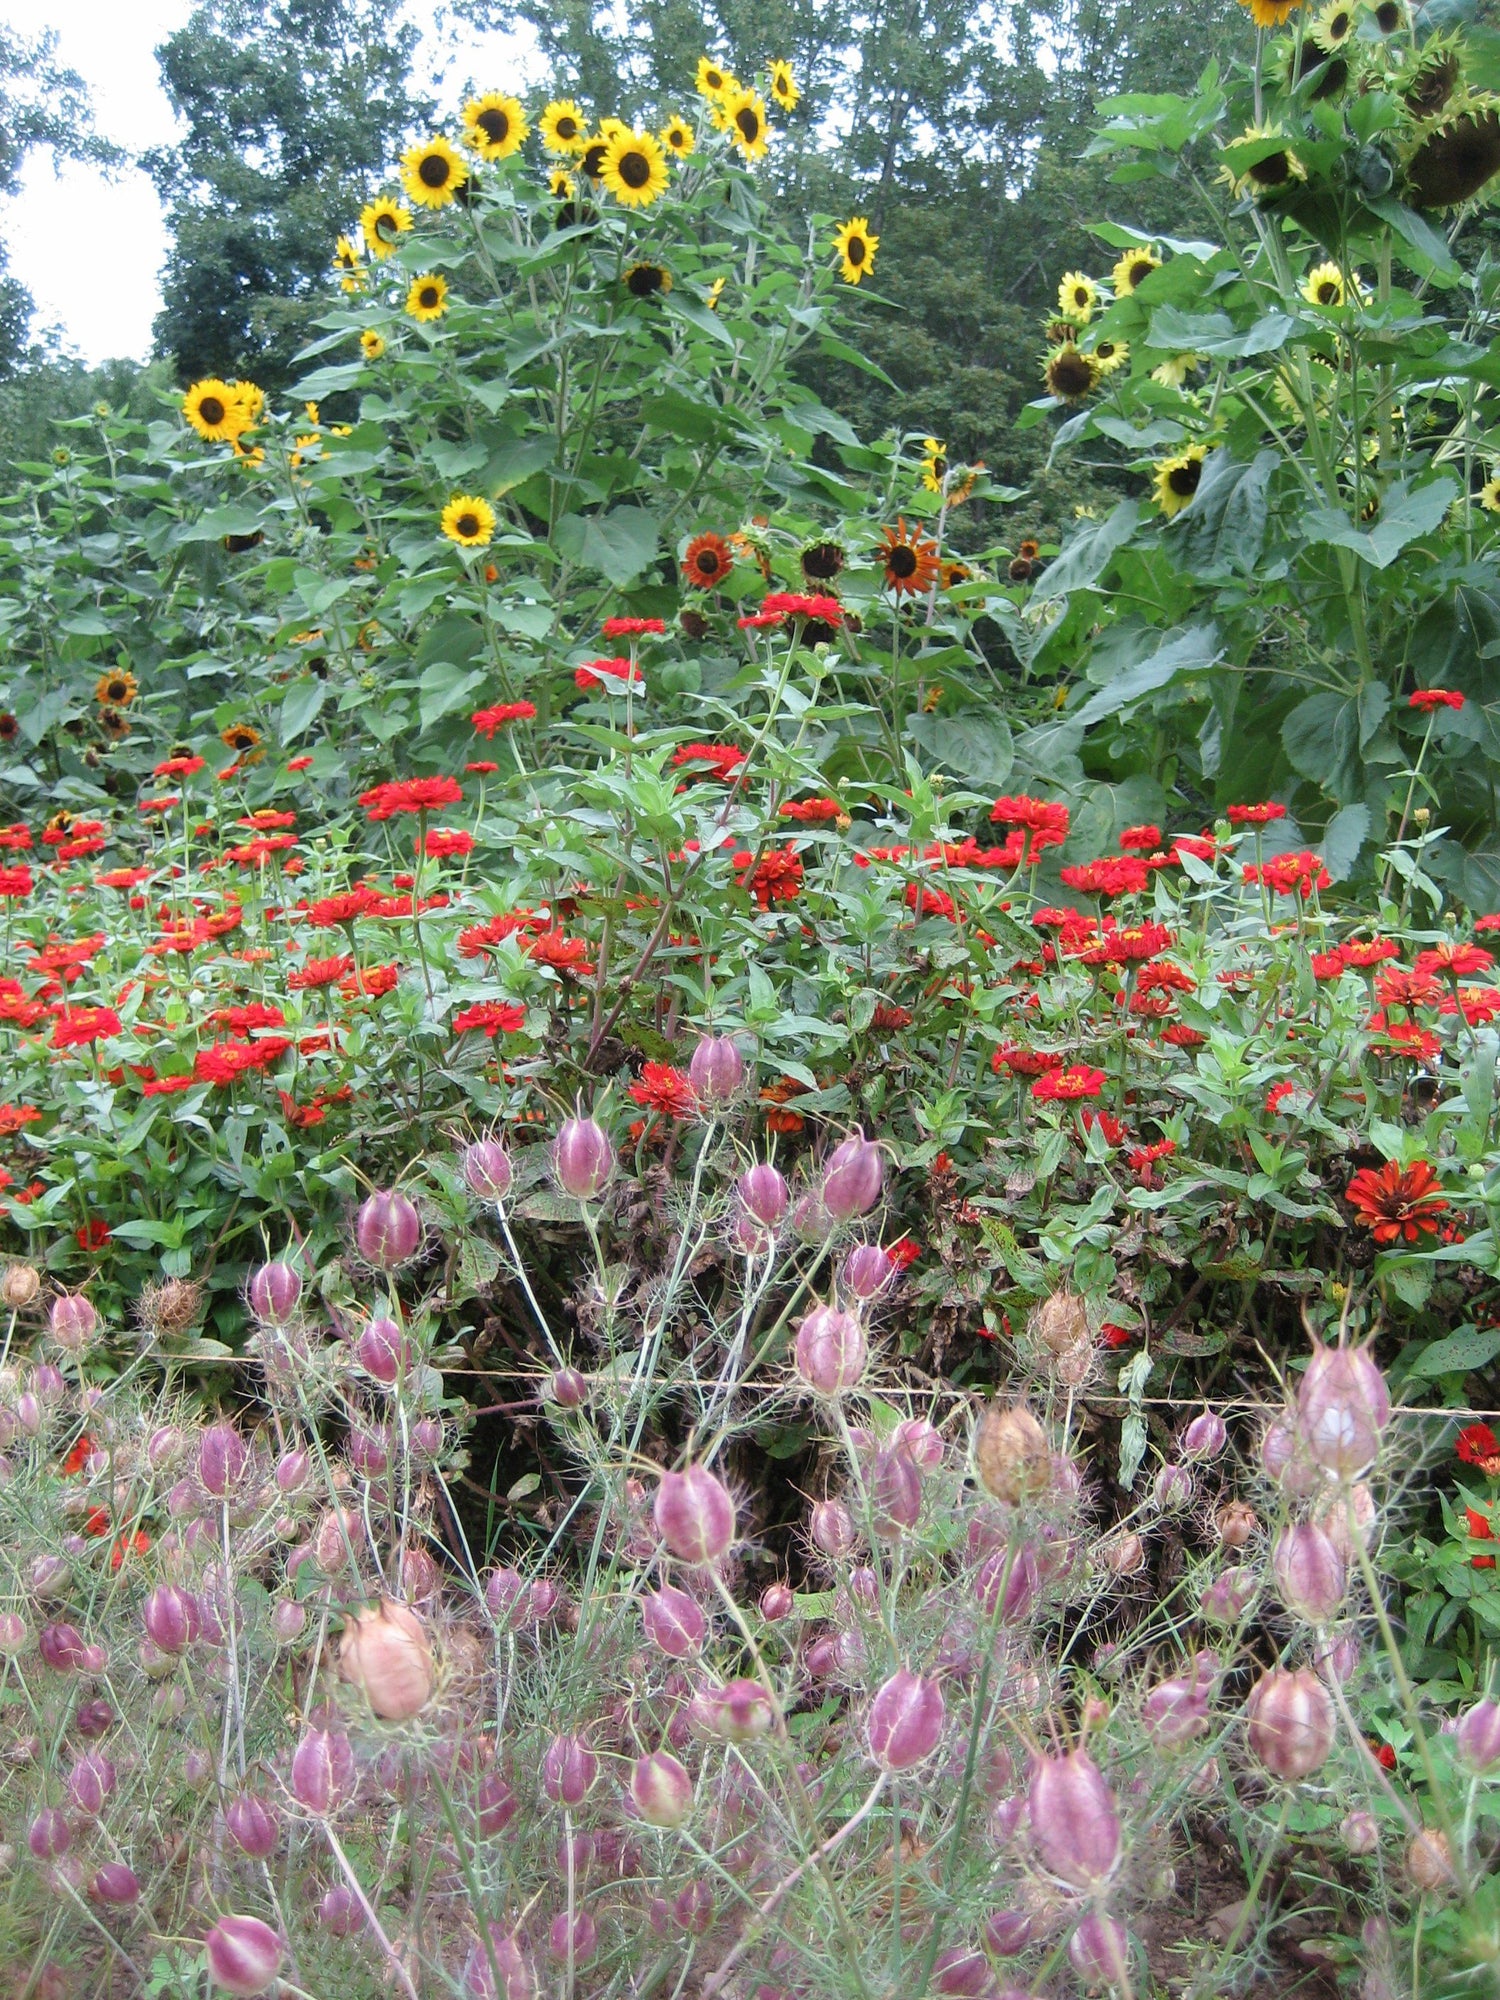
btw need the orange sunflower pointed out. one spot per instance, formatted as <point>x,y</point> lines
<point>707,561</point>
<point>910,559</point>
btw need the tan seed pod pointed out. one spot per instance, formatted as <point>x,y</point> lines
<point>1236,1524</point>
<point>1011,1454</point>
<point>19,1286</point>
<point>386,1652</point>
<point>1074,1365</point>
<point>1060,1322</point>
<point>1429,1862</point>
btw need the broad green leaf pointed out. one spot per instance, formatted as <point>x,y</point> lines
<point>975,744</point>
<point>1467,1349</point>
<point>619,544</point>
<point>1088,555</point>
<point>1190,652</point>
<point>1405,514</point>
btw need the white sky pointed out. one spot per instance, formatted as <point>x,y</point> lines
<point>89,248</point>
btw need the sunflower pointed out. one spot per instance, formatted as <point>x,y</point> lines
<point>1133,269</point>
<point>1177,479</point>
<point>114,722</point>
<point>746,122</point>
<point>647,281</point>
<point>712,81</point>
<point>1174,371</point>
<point>381,222</point>
<point>346,262</point>
<point>855,244</point>
<point>468,520</point>
<point>240,737</point>
<point>1324,286</point>
<point>428,297</point>
<point>1110,355</point>
<point>1489,494</point>
<point>1270,172</point>
<point>432,174</point>
<point>822,561</point>
<point>1388,15</point>
<point>634,167</point>
<point>1334,24</point>
<point>1077,296</point>
<point>561,184</point>
<point>1287,393</point>
<point>910,560</point>
<point>371,344</point>
<point>1271,13</point>
<point>713,295</point>
<point>707,561</point>
<point>934,464</point>
<point>214,410</point>
<point>494,125</point>
<point>116,689</point>
<point>1457,159</point>
<point>563,127</point>
<point>783,84</point>
<point>678,137</point>
<point>1072,377</point>
<point>250,456</point>
<point>1435,77</point>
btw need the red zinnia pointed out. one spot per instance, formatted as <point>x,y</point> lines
<point>1110,875</point>
<point>487,720</point>
<point>411,795</point>
<point>724,759</point>
<point>1481,1531</point>
<point>16,882</point>
<point>74,1026</point>
<point>1428,699</point>
<point>1261,815</point>
<point>1397,1203</point>
<point>1146,838</point>
<point>1477,1445</point>
<point>445,841</point>
<point>812,812</point>
<point>666,1090</point>
<point>775,878</point>
<point>788,604</point>
<point>600,672</point>
<point>1455,961</point>
<point>633,628</point>
<point>1066,1085</point>
<point>319,972</point>
<point>490,1017</point>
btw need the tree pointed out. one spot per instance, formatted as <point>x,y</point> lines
<point>295,109</point>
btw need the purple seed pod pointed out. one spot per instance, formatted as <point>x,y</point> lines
<point>288,1620</point>
<point>368,1454</point>
<point>1360,1832</point>
<point>853,1178</point>
<point>15,1633</point>
<point>572,1939</point>
<point>921,1441</point>
<point>821,1659</point>
<point>716,1071</point>
<point>964,1971</point>
<point>488,1170</point>
<point>906,1720</point>
<point>427,1439</point>
<point>504,1592</point>
<point>495,1804</point>
<point>674,1623</point>
<point>1074,1824</point>
<point>1477,1737</point>
<point>895,1493</point>
<point>387,1229</point>
<point>61,1647</point>
<point>197,1768</point>
<point>543,1597</point>
<point>1309,1573</point>
<point>864,1587</point>
<point>72,1322</point>
<point>1016,1574</point>
<point>29,1413</point>
<point>243,1956</point>
<point>1205,1437</point>
<point>1342,1407</point>
<point>115,1883</point>
<point>252,1825</point>
<point>693,1908</point>
<point>1099,1951</point>
<point>222,1458</point>
<point>832,1529</point>
<point>339,1913</point>
<point>568,1389</point>
<point>1284,1460</point>
<point>505,1957</point>
<point>694,1515</point>
<point>763,1194</point>
<point>777,1602</point>
<point>94,1719</point>
<point>868,1271</point>
<point>582,1158</point>
<point>1172,1488</point>
<point>1007,1933</point>
<point>1290,1723</point>
<point>322,1773</point>
<point>830,1351</point>
<point>48,1382</point>
<point>383,1352</point>
<point>171,1618</point>
<point>291,1471</point>
<point>274,1291</point>
<point>661,1790</point>
<point>738,1712</point>
<point>49,1576</point>
<point>1229,1596</point>
<point>569,1769</point>
<point>1175,1711</point>
<point>93,1660</point>
<point>90,1783</point>
<point>164,1447</point>
<point>49,1834</point>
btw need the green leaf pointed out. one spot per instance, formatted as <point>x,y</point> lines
<point>1225,531</point>
<point>1436,259</point>
<point>1405,514</point>
<point>974,744</point>
<point>1469,1348</point>
<point>300,704</point>
<point>619,544</point>
<point>1192,651</point>
<point>1214,333</point>
<point>1089,554</point>
<point>1344,836</point>
<point>682,416</point>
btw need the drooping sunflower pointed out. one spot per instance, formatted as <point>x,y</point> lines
<point>116,689</point>
<point>347,263</point>
<point>1271,13</point>
<point>1077,296</point>
<point>713,295</point>
<point>115,723</point>
<point>712,80</point>
<point>823,561</point>
<point>1455,161</point>
<point>240,737</point>
<point>783,84</point>
<point>634,168</point>
<point>433,173</point>
<point>494,125</point>
<point>468,520</point>
<point>1266,171</point>
<point>1489,494</point>
<point>1432,78</point>
<point>1332,26</point>
<point>678,137</point>
<point>746,124</point>
<point>563,127</point>
<point>648,281</point>
<point>855,243</point>
<point>371,344</point>
<point>214,410</point>
<point>1324,285</point>
<point>428,297</point>
<point>381,222</point>
<point>1070,375</point>
<point>1133,269</point>
<point>909,558</point>
<point>1388,16</point>
<point>1176,480</point>
<point>706,561</point>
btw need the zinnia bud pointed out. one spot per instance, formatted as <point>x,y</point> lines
<point>243,1956</point>
<point>386,1652</point>
<point>674,1623</point>
<point>1309,1573</point>
<point>1342,1406</point>
<point>487,1169</point>
<point>694,1515</point>
<point>251,1825</point>
<point>322,1773</point>
<point>661,1789</point>
<point>582,1158</point>
<point>868,1271</point>
<point>716,1071</point>
<point>1290,1723</point>
<point>853,1177</point>
<point>906,1721</point>
<point>1073,1820</point>
<point>763,1194</point>
<point>1011,1454</point>
<point>387,1229</point>
<point>1478,1736</point>
<point>569,1769</point>
<point>830,1351</point>
<point>1205,1437</point>
<point>274,1292</point>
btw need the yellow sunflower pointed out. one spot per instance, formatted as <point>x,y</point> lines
<point>934,464</point>
<point>1177,479</point>
<point>240,737</point>
<point>1274,169</point>
<point>1133,269</point>
<point>381,222</point>
<point>1324,285</point>
<point>783,84</point>
<point>116,689</point>
<point>428,297</point>
<point>634,167</point>
<point>1489,494</point>
<point>250,401</point>
<point>1110,355</point>
<point>250,456</point>
<point>712,80</point>
<point>346,262</point>
<point>648,281</point>
<point>1271,13</point>
<point>371,344</point>
<point>746,122</point>
<point>855,244</point>
<point>214,410</point>
<point>1174,371</point>
<point>433,173</point>
<point>468,520</point>
<point>1333,26</point>
<point>678,137</point>
<point>494,125</point>
<point>561,184</point>
<point>714,294</point>
<point>1070,375</point>
<point>1077,296</point>
<point>563,127</point>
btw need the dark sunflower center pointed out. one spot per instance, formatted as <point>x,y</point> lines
<point>428,296</point>
<point>856,250</point>
<point>1080,296</point>
<point>1272,171</point>
<point>1183,479</point>
<point>1388,17</point>
<point>495,125</point>
<point>1071,375</point>
<point>940,468</point>
<point>433,171</point>
<point>708,562</point>
<point>1338,27</point>
<point>714,80</point>
<point>748,123</point>
<point>1141,270</point>
<point>467,525</point>
<point>385,224</point>
<point>211,410</point>
<point>634,169</point>
<point>593,159</point>
<point>567,128</point>
<point>644,280</point>
<point>902,561</point>
<point>1455,163</point>
<point>1328,293</point>
<point>1105,350</point>
<point>116,690</point>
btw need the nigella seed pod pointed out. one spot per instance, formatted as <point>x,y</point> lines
<point>832,1529</point>
<point>1429,1862</point>
<point>1172,1488</point>
<point>94,1718</point>
<point>1309,1572</point>
<point>15,1634</point>
<point>716,1071</point>
<point>738,1712</point>
<point>1229,1596</point>
<point>222,1458</point>
<point>1342,1407</point>
<point>1360,1832</point>
<point>72,1322</point>
<point>49,1577</point>
<point>288,1620</point>
<point>495,1804</point>
<point>906,1721</point>
<point>763,1194</point>
<point>661,1790</point>
<point>921,1441</point>
<point>488,1170</point>
<point>291,1471</point>
<point>868,1271</point>
<point>1290,1723</point>
<point>830,1351</point>
<point>895,1493</point>
<point>1073,1820</point>
<point>274,1292</point>
<point>694,1515</point>
<point>243,1956</point>
<point>1205,1437</point>
<point>1060,1322</point>
<point>674,1623</point>
<point>962,1971</point>
<point>1007,1933</point>
<point>61,1647</point>
<point>853,1178</point>
<point>569,1769</point>
<point>1176,1710</point>
<point>1284,1459</point>
<point>505,1594</point>
<point>572,1940</point>
<point>1477,1737</point>
<point>582,1158</point>
<point>29,1413</point>
<point>1011,1453</point>
<point>251,1825</point>
<point>427,1439</point>
<point>49,1834</point>
<point>777,1602</point>
<point>164,1447</point>
<point>387,1229</point>
<point>386,1652</point>
<point>339,1913</point>
<point>171,1618</point>
<point>502,1956</point>
<point>47,1381</point>
<point>383,1352</point>
<point>368,1454</point>
<point>1099,1951</point>
<point>90,1783</point>
<point>322,1773</point>
<point>568,1389</point>
<point>115,1883</point>
<point>1235,1524</point>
